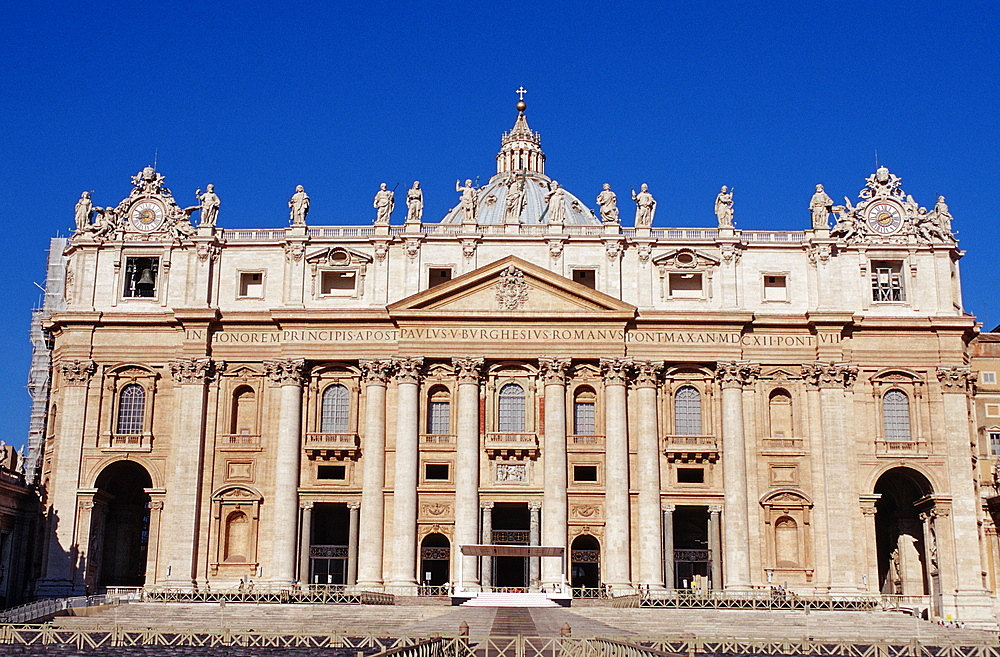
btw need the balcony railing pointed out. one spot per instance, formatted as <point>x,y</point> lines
<point>239,441</point>
<point>782,444</point>
<point>899,448</point>
<point>437,439</point>
<point>585,439</point>
<point>504,445</point>
<point>332,445</point>
<point>129,442</point>
<point>691,449</point>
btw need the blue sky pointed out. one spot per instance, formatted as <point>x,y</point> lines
<point>258,97</point>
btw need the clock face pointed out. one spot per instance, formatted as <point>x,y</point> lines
<point>884,218</point>
<point>146,216</point>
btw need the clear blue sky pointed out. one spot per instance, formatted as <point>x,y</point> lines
<point>770,98</point>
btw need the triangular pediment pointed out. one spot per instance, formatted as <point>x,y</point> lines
<point>511,287</point>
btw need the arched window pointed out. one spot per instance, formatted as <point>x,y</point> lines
<point>896,415</point>
<point>786,542</point>
<point>336,410</point>
<point>244,412</point>
<point>584,416</point>
<point>237,537</point>
<point>780,412</point>
<point>439,411</point>
<point>512,407</point>
<point>131,410</point>
<point>687,412</point>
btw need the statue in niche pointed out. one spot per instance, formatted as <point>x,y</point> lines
<point>84,210</point>
<point>820,206</point>
<point>384,204</point>
<point>414,203</point>
<point>645,207</point>
<point>210,203</point>
<point>299,204</point>
<point>467,201</point>
<point>724,207</point>
<point>555,204</point>
<point>607,201</point>
<point>514,203</point>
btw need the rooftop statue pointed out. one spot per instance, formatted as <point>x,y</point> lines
<point>514,204</point>
<point>645,207</point>
<point>84,210</point>
<point>467,200</point>
<point>299,204</point>
<point>607,201</point>
<point>209,205</point>
<point>942,214</point>
<point>414,203</point>
<point>384,204</point>
<point>555,204</point>
<point>846,226</point>
<point>724,207</point>
<point>820,206</point>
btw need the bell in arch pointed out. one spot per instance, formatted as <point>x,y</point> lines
<point>146,279</point>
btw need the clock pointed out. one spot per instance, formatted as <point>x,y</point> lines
<point>146,216</point>
<point>884,218</point>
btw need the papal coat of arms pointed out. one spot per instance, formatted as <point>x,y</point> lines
<point>512,291</point>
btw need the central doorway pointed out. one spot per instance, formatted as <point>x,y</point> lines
<point>511,526</point>
<point>328,551</point>
<point>120,526</point>
<point>692,558</point>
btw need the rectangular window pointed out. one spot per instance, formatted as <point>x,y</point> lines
<point>887,281</point>
<point>685,286</point>
<point>989,378</point>
<point>140,277</point>
<point>252,284</point>
<point>439,418</point>
<point>775,288</point>
<point>690,475</point>
<point>995,444</point>
<point>584,473</point>
<point>583,419</point>
<point>337,282</point>
<point>438,275</point>
<point>331,472</point>
<point>586,277</point>
<point>436,472</point>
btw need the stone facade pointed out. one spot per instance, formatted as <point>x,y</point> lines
<point>668,407</point>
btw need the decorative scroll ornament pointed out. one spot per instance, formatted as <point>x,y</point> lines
<point>736,373</point>
<point>645,251</point>
<point>956,378</point>
<point>555,249</point>
<point>76,372</point>
<point>408,369</point>
<point>512,290</point>
<point>436,509</point>
<point>647,373</point>
<point>192,370</point>
<point>553,370</point>
<point>614,249</point>
<point>829,375</point>
<point>208,250</point>
<point>469,248</point>
<point>294,251</point>
<point>285,371</point>
<point>381,250</point>
<point>376,371</point>
<point>511,473</point>
<point>412,248</point>
<point>615,370</point>
<point>467,370</point>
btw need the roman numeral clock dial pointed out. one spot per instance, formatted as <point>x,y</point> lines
<point>146,216</point>
<point>884,218</point>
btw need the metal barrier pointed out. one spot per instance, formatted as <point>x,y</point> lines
<point>41,608</point>
<point>325,596</point>
<point>774,599</point>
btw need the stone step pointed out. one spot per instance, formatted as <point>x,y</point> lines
<point>489,599</point>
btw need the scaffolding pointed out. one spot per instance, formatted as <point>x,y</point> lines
<point>40,373</point>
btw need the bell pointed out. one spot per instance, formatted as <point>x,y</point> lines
<point>146,280</point>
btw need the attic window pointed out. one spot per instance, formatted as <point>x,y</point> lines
<point>338,282</point>
<point>586,277</point>
<point>685,259</point>
<point>438,275</point>
<point>685,286</point>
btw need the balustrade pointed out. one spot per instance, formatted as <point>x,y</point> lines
<point>691,449</point>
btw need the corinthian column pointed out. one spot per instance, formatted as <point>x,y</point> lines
<point>404,500</point>
<point>554,526</point>
<point>287,374</point>
<point>648,461</point>
<point>617,523</point>
<point>60,566</point>
<point>191,375</point>
<point>840,496</point>
<point>733,376</point>
<point>373,474</point>
<point>467,372</point>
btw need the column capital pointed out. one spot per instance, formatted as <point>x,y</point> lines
<point>376,372</point>
<point>736,373</point>
<point>553,370</point>
<point>408,368</point>
<point>156,505</point>
<point>715,508</point>
<point>823,374</point>
<point>669,508</point>
<point>353,506</point>
<point>956,378</point>
<point>647,373</point>
<point>285,371</point>
<point>467,369</point>
<point>615,370</point>
<point>192,371</point>
<point>75,372</point>
<point>306,506</point>
<point>534,506</point>
<point>486,505</point>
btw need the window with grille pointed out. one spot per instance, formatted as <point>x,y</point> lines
<point>887,281</point>
<point>512,407</point>
<point>687,412</point>
<point>896,415</point>
<point>995,444</point>
<point>131,410</point>
<point>439,413</point>
<point>336,409</point>
<point>584,415</point>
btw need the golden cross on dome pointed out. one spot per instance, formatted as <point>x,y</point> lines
<point>520,92</point>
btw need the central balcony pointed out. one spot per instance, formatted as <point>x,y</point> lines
<point>329,446</point>
<point>691,449</point>
<point>511,445</point>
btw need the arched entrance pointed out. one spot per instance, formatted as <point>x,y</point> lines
<point>901,542</point>
<point>585,555</point>
<point>119,528</point>
<point>435,559</point>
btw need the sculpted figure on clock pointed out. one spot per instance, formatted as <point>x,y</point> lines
<point>299,204</point>
<point>84,209</point>
<point>943,215</point>
<point>820,206</point>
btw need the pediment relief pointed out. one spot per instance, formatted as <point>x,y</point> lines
<point>511,286</point>
<point>237,494</point>
<point>896,376</point>
<point>779,374</point>
<point>242,372</point>
<point>338,256</point>
<point>785,498</point>
<point>686,259</point>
